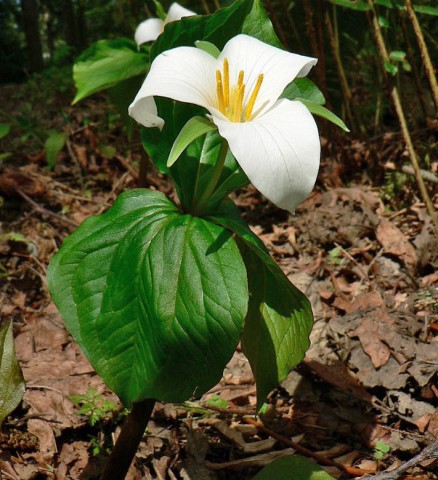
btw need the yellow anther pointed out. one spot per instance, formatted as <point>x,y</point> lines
<point>226,84</point>
<point>220,93</point>
<point>251,101</point>
<point>238,103</point>
<point>240,79</point>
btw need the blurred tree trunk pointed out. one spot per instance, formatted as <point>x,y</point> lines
<point>82,40</point>
<point>29,9</point>
<point>69,19</point>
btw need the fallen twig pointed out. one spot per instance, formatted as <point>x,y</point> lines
<point>358,472</point>
<point>430,452</point>
<point>46,212</point>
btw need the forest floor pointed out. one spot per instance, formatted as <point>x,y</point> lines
<point>361,247</point>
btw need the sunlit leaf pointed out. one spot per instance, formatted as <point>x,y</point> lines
<point>107,63</point>
<point>156,299</point>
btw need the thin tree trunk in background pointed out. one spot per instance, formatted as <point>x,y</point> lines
<point>69,23</point>
<point>82,40</point>
<point>29,9</point>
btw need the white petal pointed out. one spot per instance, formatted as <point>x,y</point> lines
<point>176,12</point>
<point>185,74</point>
<point>279,151</point>
<point>254,58</point>
<point>149,30</point>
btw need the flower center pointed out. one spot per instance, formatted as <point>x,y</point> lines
<point>230,100</point>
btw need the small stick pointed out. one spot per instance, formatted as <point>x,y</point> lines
<point>46,212</point>
<point>427,62</point>
<point>383,52</point>
<point>430,452</point>
<point>319,458</point>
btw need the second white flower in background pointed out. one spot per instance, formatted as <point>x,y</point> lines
<point>152,28</point>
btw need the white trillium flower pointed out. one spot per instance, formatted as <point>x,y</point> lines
<point>152,28</point>
<point>274,140</point>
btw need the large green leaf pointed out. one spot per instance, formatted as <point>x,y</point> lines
<point>107,63</point>
<point>156,299</point>
<point>277,327</point>
<point>293,468</point>
<point>279,321</point>
<point>242,16</point>
<point>11,378</point>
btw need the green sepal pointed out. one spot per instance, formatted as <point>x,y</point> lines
<point>324,113</point>
<point>208,47</point>
<point>303,88</point>
<point>159,10</point>
<point>155,298</point>
<point>12,384</point>
<point>193,129</point>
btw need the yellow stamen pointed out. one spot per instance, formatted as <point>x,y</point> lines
<point>240,79</point>
<point>220,93</point>
<point>238,103</point>
<point>226,84</point>
<point>251,101</point>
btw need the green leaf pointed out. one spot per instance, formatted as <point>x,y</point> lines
<point>53,145</point>
<point>303,88</point>
<point>279,321</point>
<point>385,3</point>
<point>383,22</point>
<point>4,129</point>
<point>257,24</point>
<point>4,156</point>
<point>193,129</point>
<point>156,299</point>
<point>11,378</point>
<point>390,68</point>
<point>426,10</point>
<point>324,113</point>
<point>161,14</point>
<point>107,63</point>
<point>293,468</point>
<point>242,16</point>
<point>217,401</point>
<point>397,56</point>
<point>382,447</point>
<point>208,47</point>
<point>359,5</point>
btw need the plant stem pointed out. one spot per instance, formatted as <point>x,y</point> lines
<point>381,47</point>
<point>128,441</point>
<point>428,67</point>
<point>202,201</point>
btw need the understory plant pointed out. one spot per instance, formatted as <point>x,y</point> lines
<point>158,295</point>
